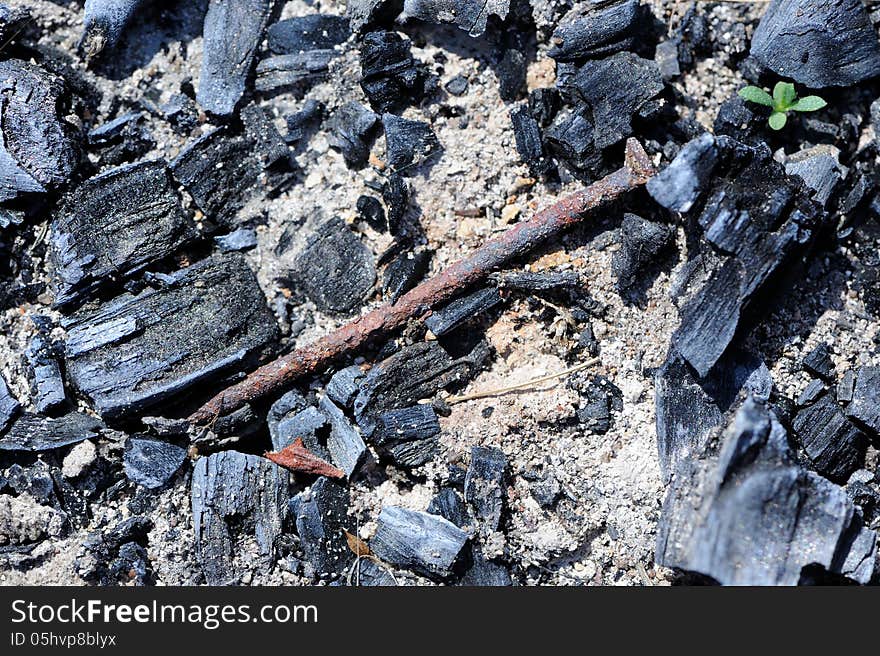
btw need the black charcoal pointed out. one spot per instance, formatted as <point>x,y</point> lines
<point>819,44</point>
<point>811,393</point>
<point>395,193</point>
<point>760,219</point>
<point>151,462</point>
<point>846,386</point>
<point>570,139</point>
<point>404,273</point>
<point>223,169</point>
<point>425,543</point>
<point>124,139</point>
<point>9,405</point>
<point>116,556</point>
<point>485,485</point>
<point>242,239</point>
<point>312,32</point>
<point>408,142</point>
<point>234,493</point>
<point>666,58</point>
<point>455,313</point>
<point>819,363</point>
<point>468,15</point>
<point>641,243</point>
<point>307,424</point>
<point>371,211</point>
<point>351,129</point>
<point>613,105</point>
<point>232,35</point>
<point>753,516</point>
<point>448,504</point>
<point>321,521</point>
<point>688,408</point>
<point>479,571</point>
<point>47,382</point>
<point>414,373</point>
<point>679,185</point>
<point>408,435</point>
<point>181,112</point>
<point>599,396</point>
<point>741,120</point>
<point>543,105</point>
<point>362,13</point>
<point>529,143</point>
<point>282,71</point>
<point>13,21</point>
<point>820,168</point>
<point>344,444</point>
<point>335,269</point>
<point>31,432</point>
<point>136,351</point>
<point>511,70</point>
<point>865,405</point>
<point>298,123</point>
<point>595,30</point>
<point>344,385</point>
<point>104,23</point>
<point>113,226</point>
<point>35,480</point>
<point>457,86</point>
<point>834,446</point>
<point>390,77</point>
<point>539,282</point>
<point>41,149</point>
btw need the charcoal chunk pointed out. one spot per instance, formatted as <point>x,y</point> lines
<point>599,397</point>
<point>820,169</point>
<point>9,405</point>
<point>613,105</point>
<point>232,35</point>
<point>124,139</point>
<point>117,555</point>
<point>424,543</point>
<point>242,239</point>
<point>151,462</point>
<point>811,393</point>
<point>362,13</point>
<point>485,487</point>
<point>408,142</point>
<point>529,143</point>
<point>335,269</point>
<point>834,446</point>
<point>344,385</point>
<point>223,169</point>
<point>31,432</point>
<point>136,351</point>
<point>865,405</point>
<point>13,20</point>
<point>543,105</point>
<point>457,86</point>
<point>570,139</point>
<point>819,363</point>
<point>47,382</point>
<point>305,424</point>
<point>752,516</point>
<point>741,120</point>
<point>347,449</point>
<point>679,185</point>
<point>312,32</point>
<point>351,127</point>
<point>468,15</point>
<point>414,373</point>
<point>846,387</point>
<point>395,193</point>
<point>449,505</point>
<point>371,211</point>
<point>819,44</point>
<point>390,77</point>
<point>41,149</point>
<point>688,408</point>
<point>235,494</point>
<point>595,30</point>
<point>404,273</point>
<point>455,313</point>
<point>300,121</point>
<point>114,225</point>
<point>281,71</point>
<point>408,435</point>
<point>641,242</point>
<point>511,70</point>
<point>321,519</point>
<point>758,220</point>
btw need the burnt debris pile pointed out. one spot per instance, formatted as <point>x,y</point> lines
<point>159,242</point>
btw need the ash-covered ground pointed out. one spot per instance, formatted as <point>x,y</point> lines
<point>146,309</point>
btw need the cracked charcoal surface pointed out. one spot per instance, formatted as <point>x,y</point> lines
<point>641,243</point>
<point>679,185</point>
<point>151,462</point>
<point>834,446</point>
<point>350,128</point>
<point>408,142</point>
<point>313,32</point>
<point>30,432</point>
<point>468,15</point>
<point>136,351</point>
<point>47,382</point>
<point>9,405</point>
<point>275,73</point>
<point>819,44</point>
<point>321,521</point>
<point>865,405</point>
<point>233,495</point>
<point>336,270</point>
<point>232,34</point>
<point>596,30</point>
<point>484,486</point>
<point>762,519</point>
<point>390,76</point>
<point>455,313</point>
<point>113,226</point>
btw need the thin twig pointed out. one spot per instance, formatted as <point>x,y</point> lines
<point>529,383</point>
<point>476,267</point>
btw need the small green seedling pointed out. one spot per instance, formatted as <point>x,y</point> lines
<point>783,101</point>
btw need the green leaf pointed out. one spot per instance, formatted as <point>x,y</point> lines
<point>778,120</point>
<point>809,104</point>
<point>756,95</point>
<point>783,96</point>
